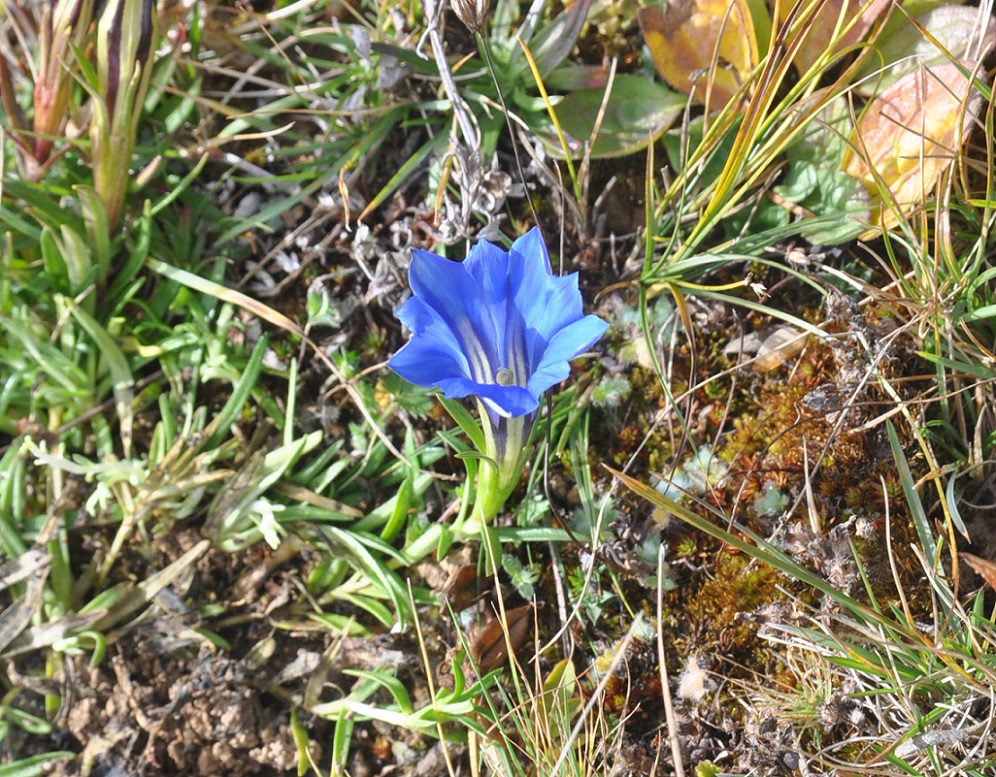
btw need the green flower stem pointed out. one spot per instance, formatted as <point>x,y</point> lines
<point>505,457</point>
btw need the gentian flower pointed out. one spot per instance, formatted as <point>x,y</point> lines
<point>500,327</point>
<point>124,53</point>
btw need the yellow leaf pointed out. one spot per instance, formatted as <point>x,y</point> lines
<point>703,48</point>
<point>908,135</point>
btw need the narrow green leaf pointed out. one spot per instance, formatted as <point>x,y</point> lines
<point>179,188</point>
<point>435,144</point>
<point>382,514</point>
<point>240,393</point>
<point>377,609</point>
<point>980,314</point>
<point>400,513</point>
<point>376,572</point>
<point>966,368</point>
<point>141,229</point>
<point>445,541</point>
<point>920,519</point>
<point>36,765</point>
<point>466,421</point>
<point>952,499</point>
<point>26,721</point>
<point>390,683</point>
<point>218,291</point>
<point>44,203</point>
<point>117,365</point>
<point>98,231</point>
<point>291,408</point>
<point>554,42</point>
<point>50,359</point>
<point>341,738</point>
<point>302,742</point>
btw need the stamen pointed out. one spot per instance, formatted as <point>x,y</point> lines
<point>505,377</point>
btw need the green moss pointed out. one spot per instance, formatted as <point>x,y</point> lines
<point>710,610</point>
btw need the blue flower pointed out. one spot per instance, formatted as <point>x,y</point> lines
<point>499,325</point>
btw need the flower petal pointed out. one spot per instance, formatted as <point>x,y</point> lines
<point>573,339</point>
<point>547,302</point>
<point>434,351</point>
<point>498,326</point>
<point>507,401</point>
<point>487,264</point>
<point>456,296</point>
<point>424,320</point>
<point>532,247</point>
<point>426,365</point>
<point>552,305</point>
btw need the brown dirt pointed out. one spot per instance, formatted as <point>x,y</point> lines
<point>166,700</point>
<point>145,714</point>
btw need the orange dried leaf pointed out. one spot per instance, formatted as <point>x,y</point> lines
<point>985,568</point>
<point>932,38</point>
<point>705,48</point>
<point>908,135</point>
<point>490,648</point>
<point>778,347</point>
<point>463,587</point>
<point>818,31</point>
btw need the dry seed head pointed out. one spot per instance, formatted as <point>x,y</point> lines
<point>473,13</point>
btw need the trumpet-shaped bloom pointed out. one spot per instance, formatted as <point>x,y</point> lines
<point>499,325</point>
